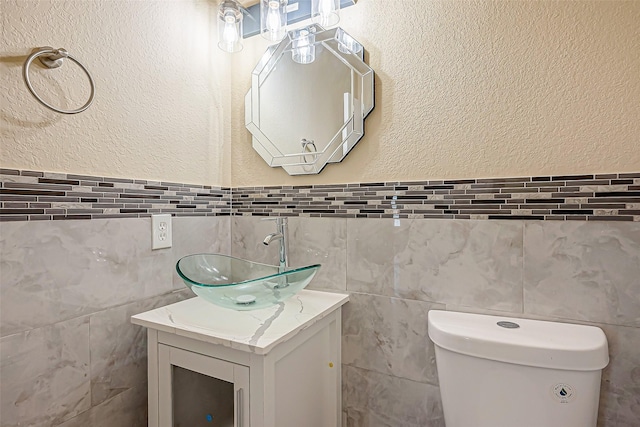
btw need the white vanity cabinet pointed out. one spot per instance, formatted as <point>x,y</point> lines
<point>276,367</point>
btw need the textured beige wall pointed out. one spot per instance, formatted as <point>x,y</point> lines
<point>481,89</point>
<point>162,87</point>
<point>463,89</point>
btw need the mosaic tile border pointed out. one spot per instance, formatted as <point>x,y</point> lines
<point>32,195</point>
<point>602,197</point>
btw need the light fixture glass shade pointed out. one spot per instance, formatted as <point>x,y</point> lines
<point>346,43</point>
<point>325,12</point>
<point>273,19</point>
<point>303,46</point>
<point>229,27</point>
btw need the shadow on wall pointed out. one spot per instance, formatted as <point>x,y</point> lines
<point>46,120</point>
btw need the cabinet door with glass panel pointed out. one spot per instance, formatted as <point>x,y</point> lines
<point>197,390</point>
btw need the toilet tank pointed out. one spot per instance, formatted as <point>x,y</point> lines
<point>504,372</point>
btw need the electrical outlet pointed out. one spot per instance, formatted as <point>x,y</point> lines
<point>161,231</point>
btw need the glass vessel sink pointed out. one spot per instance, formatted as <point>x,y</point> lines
<point>240,284</point>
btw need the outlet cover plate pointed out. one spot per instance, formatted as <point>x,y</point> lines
<point>161,233</point>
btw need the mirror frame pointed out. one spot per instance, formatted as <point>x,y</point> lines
<point>314,155</point>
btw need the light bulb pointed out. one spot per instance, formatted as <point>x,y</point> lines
<point>273,17</point>
<point>325,8</point>
<point>229,34</point>
<point>303,46</point>
<point>325,12</point>
<point>229,27</point>
<point>304,50</point>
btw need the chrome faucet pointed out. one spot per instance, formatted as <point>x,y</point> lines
<point>281,234</point>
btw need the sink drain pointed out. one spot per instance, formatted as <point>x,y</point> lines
<point>245,299</point>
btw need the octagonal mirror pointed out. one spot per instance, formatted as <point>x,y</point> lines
<point>309,97</point>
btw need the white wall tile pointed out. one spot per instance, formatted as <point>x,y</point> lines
<point>45,374</point>
<point>389,336</point>
<point>372,399</point>
<point>468,263</point>
<point>586,271</point>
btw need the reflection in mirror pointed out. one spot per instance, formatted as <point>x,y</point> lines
<point>308,100</point>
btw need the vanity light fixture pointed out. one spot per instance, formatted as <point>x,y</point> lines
<point>325,12</point>
<point>303,48</point>
<point>273,19</point>
<point>230,26</point>
<point>290,12</point>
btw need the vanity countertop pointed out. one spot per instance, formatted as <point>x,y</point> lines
<point>256,331</point>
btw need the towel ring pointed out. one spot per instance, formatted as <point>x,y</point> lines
<point>53,58</point>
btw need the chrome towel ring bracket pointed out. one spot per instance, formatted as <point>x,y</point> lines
<point>54,58</point>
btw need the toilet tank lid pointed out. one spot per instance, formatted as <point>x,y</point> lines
<point>532,343</point>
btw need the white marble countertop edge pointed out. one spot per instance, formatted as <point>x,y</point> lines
<point>157,319</point>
